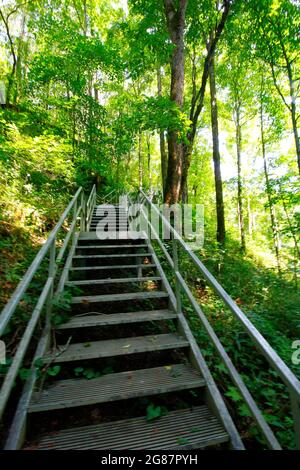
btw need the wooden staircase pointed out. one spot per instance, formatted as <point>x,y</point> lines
<point>121,369</point>
<point>125,316</point>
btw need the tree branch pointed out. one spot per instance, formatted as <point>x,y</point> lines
<point>196,108</point>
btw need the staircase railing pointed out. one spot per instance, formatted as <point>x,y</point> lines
<point>51,257</point>
<point>91,202</point>
<point>182,288</point>
<point>110,198</point>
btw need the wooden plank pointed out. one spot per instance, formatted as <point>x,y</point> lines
<point>125,266</point>
<point>119,347</point>
<point>183,429</point>
<point>103,247</point>
<point>118,255</point>
<point>126,235</point>
<point>118,386</point>
<point>117,318</point>
<point>121,280</point>
<point>119,297</point>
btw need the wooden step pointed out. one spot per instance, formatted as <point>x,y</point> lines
<point>118,255</point>
<point>118,386</point>
<point>116,280</point>
<point>103,247</point>
<point>119,347</point>
<point>126,236</point>
<point>184,429</point>
<point>87,299</point>
<point>103,319</point>
<point>106,218</point>
<point>121,266</point>
<point>95,222</point>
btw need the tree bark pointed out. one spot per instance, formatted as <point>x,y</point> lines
<point>216,155</point>
<point>163,153</point>
<point>176,23</point>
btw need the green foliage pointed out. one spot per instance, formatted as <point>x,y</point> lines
<point>154,412</point>
<point>91,373</point>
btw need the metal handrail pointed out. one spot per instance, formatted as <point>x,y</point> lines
<point>110,198</point>
<point>90,206</point>
<point>287,376</point>
<point>78,206</point>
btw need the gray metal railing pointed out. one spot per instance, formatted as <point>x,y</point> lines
<point>110,198</point>
<point>80,211</point>
<point>181,287</point>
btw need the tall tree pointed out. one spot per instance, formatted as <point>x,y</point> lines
<point>218,18</point>
<point>162,144</point>
<point>277,43</point>
<point>216,154</point>
<point>175,17</point>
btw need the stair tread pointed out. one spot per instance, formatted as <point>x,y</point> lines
<point>118,255</point>
<point>92,247</point>
<point>119,347</point>
<point>117,318</point>
<point>116,280</point>
<point>119,297</point>
<point>126,235</point>
<point>117,386</point>
<point>115,266</point>
<point>181,429</point>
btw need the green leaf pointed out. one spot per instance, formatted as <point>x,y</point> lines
<point>234,394</point>
<point>78,371</point>
<point>53,371</point>
<point>182,441</point>
<point>153,412</point>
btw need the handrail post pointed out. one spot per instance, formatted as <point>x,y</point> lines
<point>74,220</point>
<point>83,213</point>
<point>51,274</point>
<point>295,408</point>
<point>176,269</point>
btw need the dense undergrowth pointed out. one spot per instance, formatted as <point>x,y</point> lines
<point>33,172</point>
<point>272,303</point>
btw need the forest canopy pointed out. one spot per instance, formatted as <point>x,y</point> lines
<point>197,100</point>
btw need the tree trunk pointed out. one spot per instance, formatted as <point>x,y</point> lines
<point>294,119</point>
<point>274,226</point>
<point>149,160</point>
<point>293,93</point>
<point>11,78</point>
<point>216,155</point>
<point>163,153</point>
<point>198,97</point>
<point>239,179</point>
<point>18,91</point>
<point>140,161</point>
<point>175,23</point>
<point>249,213</point>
